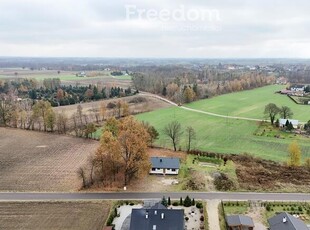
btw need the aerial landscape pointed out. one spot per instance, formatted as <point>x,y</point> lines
<point>154,115</point>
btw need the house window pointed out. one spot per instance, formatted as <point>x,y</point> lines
<point>168,169</point>
<point>158,168</point>
<point>173,170</point>
<point>153,169</point>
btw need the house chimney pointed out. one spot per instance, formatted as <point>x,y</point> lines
<point>155,212</point>
<point>154,227</point>
<point>284,219</point>
<point>162,216</point>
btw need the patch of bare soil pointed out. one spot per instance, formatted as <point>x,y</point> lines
<point>35,161</point>
<point>54,215</point>
<point>257,174</point>
<point>257,214</point>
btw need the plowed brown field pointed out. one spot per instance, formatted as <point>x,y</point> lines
<point>35,161</point>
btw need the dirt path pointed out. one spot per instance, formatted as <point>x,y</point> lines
<point>213,216</point>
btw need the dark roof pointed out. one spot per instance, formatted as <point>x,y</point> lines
<point>165,162</point>
<point>297,86</point>
<point>238,220</point>
<point>172,219</point>
<point>292,223</point>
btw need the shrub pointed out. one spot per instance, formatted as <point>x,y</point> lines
<point>199,205</point>
<point>193,202</point>
<point>299,208</point>
<point>202,218</point>
<point>268,207</point>
<point>131,204</point>
<point>175,203</point>
<point>111,105</point>
<point>186,218</point>
<point>224,183</point>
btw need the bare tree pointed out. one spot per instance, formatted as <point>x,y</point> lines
<point>173,131</point>
<point>191,135</point>
<point>81,173</point>
<point>286,112</point>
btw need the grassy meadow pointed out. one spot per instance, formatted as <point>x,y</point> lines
<point>230,135</point>
<point>251,103</point>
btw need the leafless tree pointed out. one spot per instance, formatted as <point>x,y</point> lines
<point>191,135</point>
<point>174,132</point>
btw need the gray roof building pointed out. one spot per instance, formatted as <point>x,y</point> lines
<point>157,218</point>
<point>165,162</point>
<point>239,221</point>
<point>285,221</point>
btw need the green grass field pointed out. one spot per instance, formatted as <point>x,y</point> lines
<point>123,77</point>
<point>228,135</point>
<point>251,103</point>
<point>64,76</point>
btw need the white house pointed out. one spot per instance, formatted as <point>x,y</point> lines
<point>165,165</point>
<point>294,122</point>
<point>298,88</point>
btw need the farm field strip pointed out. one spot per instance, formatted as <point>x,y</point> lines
<point>34,161</point>
<point>54,215</point>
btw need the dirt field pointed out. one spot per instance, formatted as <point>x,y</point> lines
<point>263,175</point>
<point>34,161</point>
<point>149,104</point>
<point>53,215</point>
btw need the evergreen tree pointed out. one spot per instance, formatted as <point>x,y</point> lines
<point>169,201</point>
<point>187,202</point>
<point>287,123</point>
<point>290,126</point>
<point>164,201</point>
<point>193,202</point>
<point>164,93</point>
<point>181,201</point>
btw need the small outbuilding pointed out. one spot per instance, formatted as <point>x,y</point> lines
<point>165,165</point>
<point>239,222</point>
<point>285,221</point>
<point>282,122</point>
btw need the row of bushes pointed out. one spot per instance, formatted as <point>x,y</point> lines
<point>188,202</point>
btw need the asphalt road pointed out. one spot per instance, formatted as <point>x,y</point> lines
<point>25,196</point>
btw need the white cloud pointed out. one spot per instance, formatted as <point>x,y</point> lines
<point>257,28</point>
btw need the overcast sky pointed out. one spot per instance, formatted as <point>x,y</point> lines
<point>185,29</point>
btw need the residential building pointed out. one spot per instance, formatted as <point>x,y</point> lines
<point>157,217</point>
<point>239,222</point>
<point>282,122</point>
<point>165,165</point>
<point>285,221</point>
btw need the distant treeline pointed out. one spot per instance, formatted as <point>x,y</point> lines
<point>58,94</point>
<point>180,83</point>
